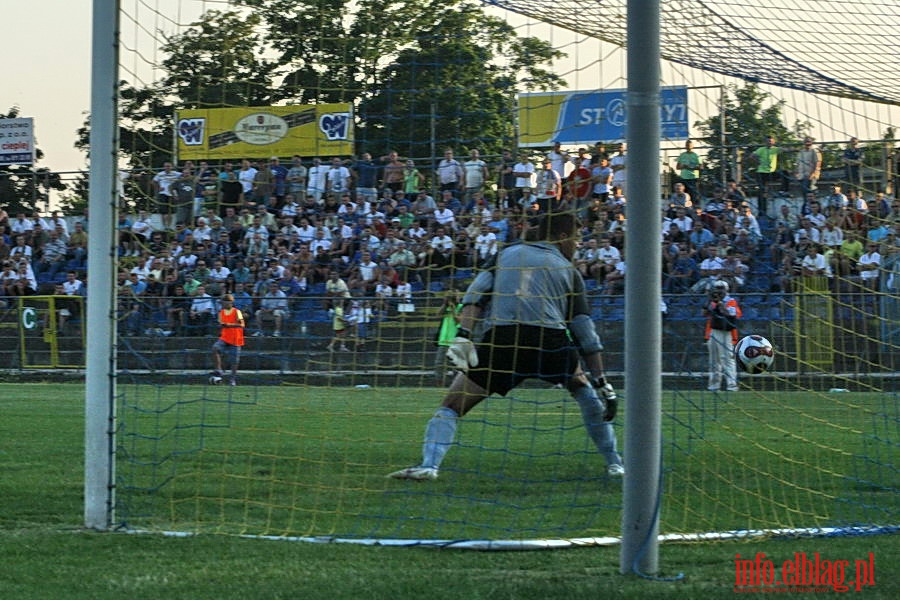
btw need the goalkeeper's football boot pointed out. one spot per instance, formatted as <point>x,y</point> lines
<point>615,470</point>
<point>416,474</point>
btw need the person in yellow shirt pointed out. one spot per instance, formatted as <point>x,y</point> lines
<point>767,173</point>
<point>843,260</point>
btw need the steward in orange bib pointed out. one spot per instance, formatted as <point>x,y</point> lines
<point>230,340</point>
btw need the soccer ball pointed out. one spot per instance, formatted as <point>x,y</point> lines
<point>215,380</point>
<point>754,354</point>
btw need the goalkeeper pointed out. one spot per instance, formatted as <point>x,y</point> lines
<point>537,308</point>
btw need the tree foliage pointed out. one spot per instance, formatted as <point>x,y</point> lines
<point>416,71</point>
<point>448,87</point>
<point>750,115</point>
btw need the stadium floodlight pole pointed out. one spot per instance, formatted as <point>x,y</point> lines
<point>100,373</point>
<point>643,343</point>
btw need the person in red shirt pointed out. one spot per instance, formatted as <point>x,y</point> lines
<point>579,184</point>
<point>230,340</point>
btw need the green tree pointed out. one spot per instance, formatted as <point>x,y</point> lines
<point>418,72</point>
<point>455,84</point>
<point>750,115</point>
<point>26,188</point>
<point>407,67</point>
<point>217,61</point>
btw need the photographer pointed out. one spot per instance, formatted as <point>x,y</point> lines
<point>722,314</point>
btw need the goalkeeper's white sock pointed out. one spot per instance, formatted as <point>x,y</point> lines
<point>601,432</point>
<point>439,434</point>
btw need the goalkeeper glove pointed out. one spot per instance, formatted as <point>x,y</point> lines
<point>461,353</point>
<point>608,395</point>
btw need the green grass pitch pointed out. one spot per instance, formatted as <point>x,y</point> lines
<point>278,446</point>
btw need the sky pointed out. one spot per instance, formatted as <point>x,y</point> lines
<point>46,72</point>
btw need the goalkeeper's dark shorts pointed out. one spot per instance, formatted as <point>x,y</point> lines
<point>510,354</point>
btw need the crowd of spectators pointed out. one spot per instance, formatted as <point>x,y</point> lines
<point>373,229</point>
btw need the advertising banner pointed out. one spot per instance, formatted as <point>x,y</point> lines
<point>587,117</point>
<point>264,131</point>
<point>17,141</point>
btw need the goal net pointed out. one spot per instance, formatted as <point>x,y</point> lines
<point>348,253</point>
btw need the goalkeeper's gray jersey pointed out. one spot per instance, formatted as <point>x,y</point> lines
<point>530,284</point>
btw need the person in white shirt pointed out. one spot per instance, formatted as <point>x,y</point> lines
<point>288,229</point>
<point>202,232</point>
<point>832,236</point>
<point>815,215</point>
<point>291,208</point>
<point>808,232</point>
<point>187,261</point>
<point>710,270</point>
<point>836,199</point>
<point>256,228</point>
<point>417,232</point>
<point>296,178</point>
<point>203,307</point>
<point>524,174</point>
<point>618,164</point>
<point>366,275</point>
<point>814,264</point>
<point>682,220</point>
<point>163,185</point>
<point>141,269</point>
<point>21,224</point>
<point>404,291</point>
<point>317,180</point>
<point>608,254</point>
<point>383,291</point>
<point>72,285</point>
<point>868,265</point>
<point>444,216</point>
<point>306,231</point>
<point>342,231</point>
<point>450,172</point>
<point>219,273</point>
<point>142,230</point>
<point>548,186</point>
<point>485,245</point>
<point>559,159</point>
<point>441,241</point>
<point>363,209</point>
<point>21,249</point>
<point>475,173</point>
<point>338,178</point>
<point>56,220</point>
<point>247,175</point>
<point>320,241</point>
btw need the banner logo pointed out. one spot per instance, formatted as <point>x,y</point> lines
<point>261,129</point>
<point>335,126</point>
<point>191,131</point>
<point>615,112</point>
<point>585,117</point>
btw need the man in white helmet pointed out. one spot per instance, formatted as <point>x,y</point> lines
<point>722,316</point>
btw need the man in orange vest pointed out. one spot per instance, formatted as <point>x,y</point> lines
<point>230,340</point>
<point>722,314</point>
